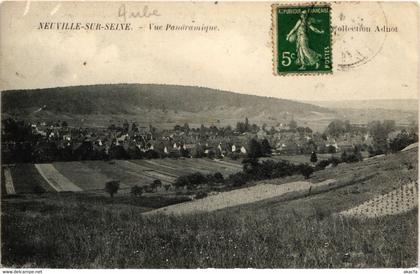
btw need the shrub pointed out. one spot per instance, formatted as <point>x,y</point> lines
<point>285,168</point>
<point>237,179</point>
<point>331,149</point>
<point>149,189</point>
<point>134,152</point>
<point>265,147</point>
<point>174,154</point>
<point>254,149</point>
<point>198,152</point>
<point>373,152</point>
<point>200,195</point>
<point>320,212</point>
<point>334,161</point>
<point>211,154</point>
<point>38,189</point>
<point>234,156</point>
<point>112,187</point>
<point>137,191</point>
<point>271,169</point>
<point>324,163</point>
<point>218,177</point>
<point>185,152</point>
<point>249,165</point>
<point>306,170</point>
<point>117,152</point>
<point>151,154</point>
<point>156,183</point>
<point>190,180</point>
<point>314,158</point>
<point>351,157</point>
<point>402,140</point>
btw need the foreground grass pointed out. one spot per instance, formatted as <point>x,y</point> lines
<point>40,233</point>
<point>64,230</point>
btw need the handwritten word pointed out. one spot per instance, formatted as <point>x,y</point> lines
<point>144,13</point>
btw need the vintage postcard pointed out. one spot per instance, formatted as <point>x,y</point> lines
<point>145,135</point>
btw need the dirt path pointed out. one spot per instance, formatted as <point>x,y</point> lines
<point>398,201</point>
<point>10,189</point>
<point>55,178</point>
<point>240,196</point>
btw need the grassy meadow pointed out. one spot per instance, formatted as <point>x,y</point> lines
<point>84,230</point>
<point>68,231</point>
<point>92,175</point>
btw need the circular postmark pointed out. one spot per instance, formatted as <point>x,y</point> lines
<point>358,33</point>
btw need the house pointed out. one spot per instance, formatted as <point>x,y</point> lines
<point>288,148</point>
<point>67,137</point>
<point>332,143</point>
<point>261,134</point>
<point>122,139</point>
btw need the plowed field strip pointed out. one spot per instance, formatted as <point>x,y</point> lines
<point>223,164</point>
<point>8,181</point>
<point>55,178</point>
<point>395,202</point>
<point>233,198</point>
<point>120,173</point>
<point>158,175</point>
<point>218,166</point>
<point>139,171</point>
<point>207,168</point>
<point>180,164</point>
<point>194,166</point>
<point>26,179</point>
<point>83,176</point>
<point>156,167</point>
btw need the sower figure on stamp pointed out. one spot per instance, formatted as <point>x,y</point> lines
<point>305,55</point>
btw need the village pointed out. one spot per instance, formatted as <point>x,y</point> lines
<point>59,141</point>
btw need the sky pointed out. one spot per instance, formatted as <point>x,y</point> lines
<point>237,57</point>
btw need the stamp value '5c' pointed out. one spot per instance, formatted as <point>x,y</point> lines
<point>302,39</point>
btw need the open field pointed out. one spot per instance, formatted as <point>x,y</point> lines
<point>117,170</point>
<point>54,177</point>
<point>93,231</point>
<point>358,178</point>
<point>27,179</point>
<point>92,175</point>
<point>8,181</point>
<point>98,234</point>
<point>303,158</point>
<point>84,177</point>
<point>262,191</point>
<point>401,200</point>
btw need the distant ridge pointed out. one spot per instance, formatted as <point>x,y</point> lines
<point>131,98</point>
<point>390,104</point>
<point>168,105</point>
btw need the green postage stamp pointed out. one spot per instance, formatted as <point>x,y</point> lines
<point>302,39</point>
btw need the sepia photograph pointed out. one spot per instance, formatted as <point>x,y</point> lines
<point>191,135</point>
